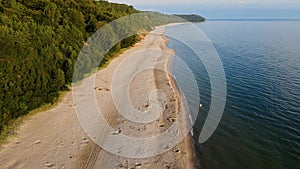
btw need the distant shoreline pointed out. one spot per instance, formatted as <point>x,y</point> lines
<point>253,19</point>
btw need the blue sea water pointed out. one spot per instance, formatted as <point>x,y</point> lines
<point>260,127</point>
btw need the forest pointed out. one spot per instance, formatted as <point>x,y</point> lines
<point>40,42</point>
<point>192,17</point>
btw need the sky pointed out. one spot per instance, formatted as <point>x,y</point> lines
<point>223,9</point>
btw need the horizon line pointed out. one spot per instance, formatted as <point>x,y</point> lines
<point>253,19</point>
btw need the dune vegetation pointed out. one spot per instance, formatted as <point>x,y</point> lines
<point>40,42</point>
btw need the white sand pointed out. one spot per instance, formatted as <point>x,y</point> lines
<point>152,52</point>
<point>55,139</point>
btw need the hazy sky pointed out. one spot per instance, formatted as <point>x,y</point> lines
<point>221,9</point>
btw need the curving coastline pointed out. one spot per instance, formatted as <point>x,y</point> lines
<point>153,52</point>
<point>54,138</point>
<point>187,143</point>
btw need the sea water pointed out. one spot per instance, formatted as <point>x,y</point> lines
<point>260,127</point>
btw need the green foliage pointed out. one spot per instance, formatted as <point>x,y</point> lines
<point>40,42</point>
<point>192,18</point>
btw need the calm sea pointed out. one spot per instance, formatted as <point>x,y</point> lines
<point>260,127</point>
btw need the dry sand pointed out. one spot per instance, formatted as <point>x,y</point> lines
<point>55,139</point>
<point>50,139</point>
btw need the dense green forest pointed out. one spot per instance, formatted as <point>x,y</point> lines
<point>40,41</point>
<point>192,18</point>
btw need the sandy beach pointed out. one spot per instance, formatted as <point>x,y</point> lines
<point>55,138</point>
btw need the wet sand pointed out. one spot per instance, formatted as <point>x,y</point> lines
<point>55,139</point>
<point>153,52</point>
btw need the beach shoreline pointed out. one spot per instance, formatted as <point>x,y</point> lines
<point>55,137</point>
<point>184,150</point>
<point>189,145</point>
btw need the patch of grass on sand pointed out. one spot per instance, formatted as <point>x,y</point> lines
<point>114,55</point>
